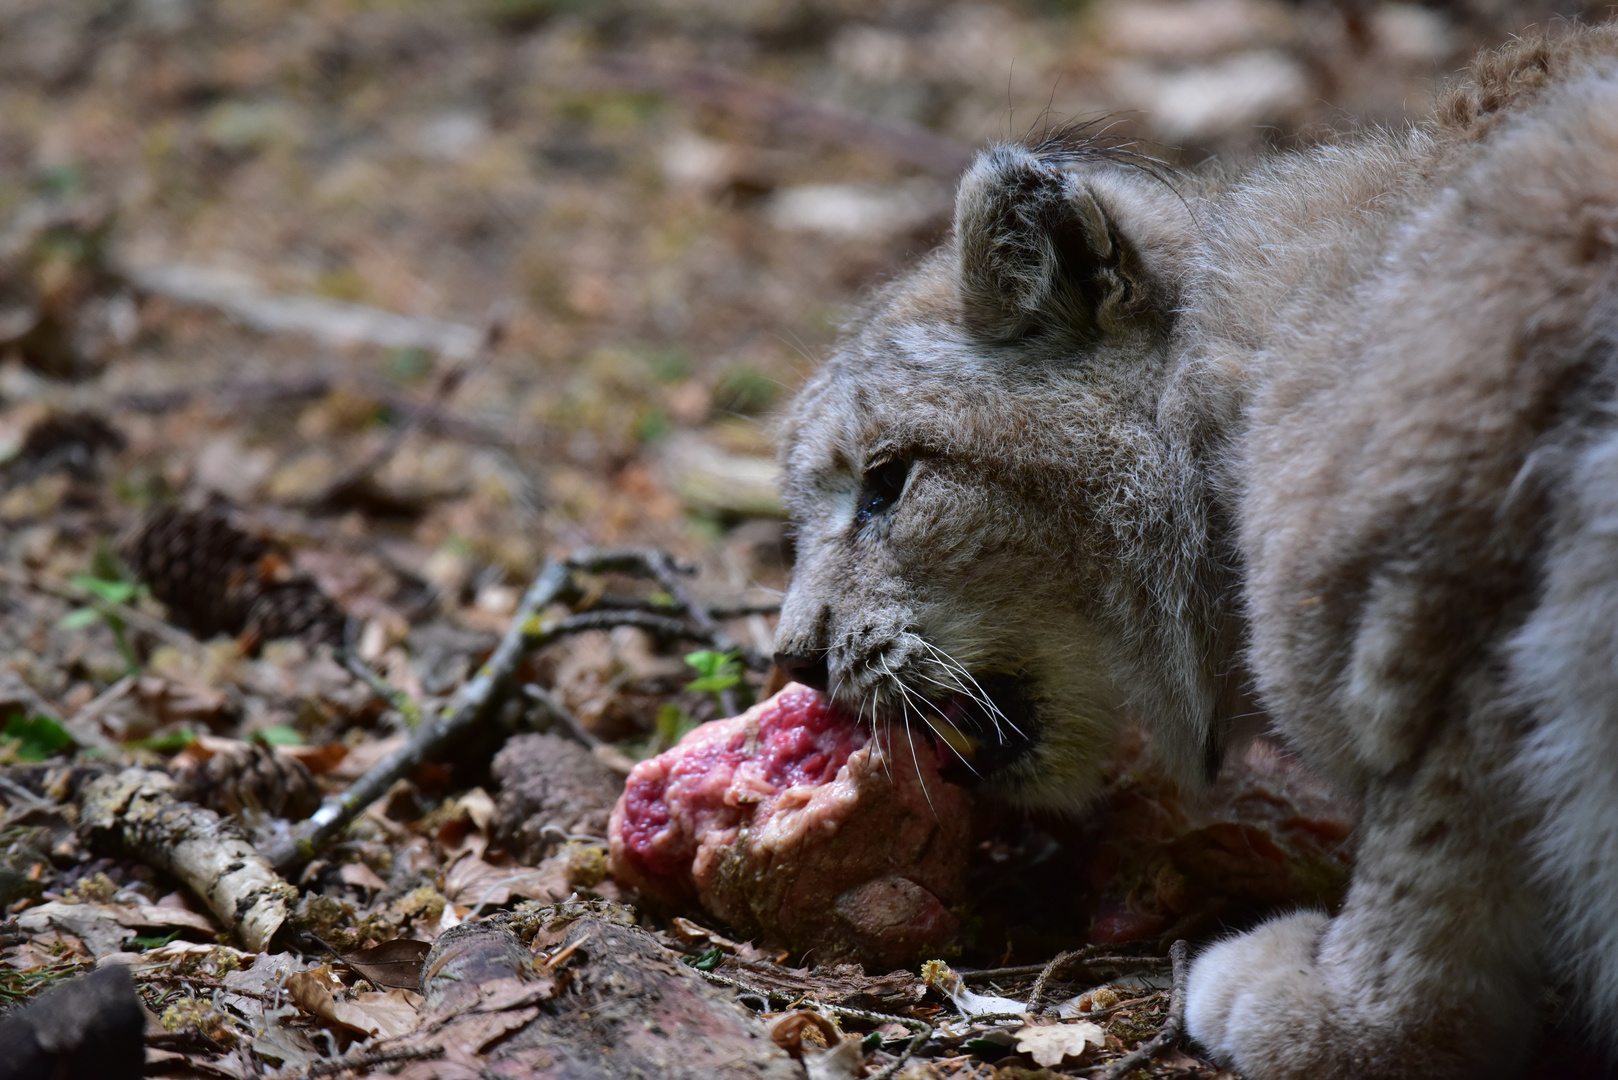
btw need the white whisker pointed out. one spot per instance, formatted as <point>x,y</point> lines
<point>985,699</point>
<point>916,759</point>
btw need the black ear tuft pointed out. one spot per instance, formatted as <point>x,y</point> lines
<point>1037,251</point>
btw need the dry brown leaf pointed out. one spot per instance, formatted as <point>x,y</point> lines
<point>1051,1044</point>
<point>393,964</point>
<point>162,917</point>
<point>474,882</point>
<point>312,990</point>
<point>361,876</point>
<point>317,759</point>
<point>388,1014</point>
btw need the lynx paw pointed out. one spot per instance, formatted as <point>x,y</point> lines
<point>1244,996</point>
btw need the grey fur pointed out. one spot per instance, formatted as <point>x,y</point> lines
<point>1344,427</point>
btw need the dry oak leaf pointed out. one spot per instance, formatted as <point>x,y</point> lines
<point>1051,1044</point>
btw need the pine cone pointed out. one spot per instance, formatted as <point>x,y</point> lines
<point>217,579</point>
<point>69,441</point>
<point>251,776</point>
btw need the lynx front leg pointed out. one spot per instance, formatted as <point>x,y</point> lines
<point>1427,972</point>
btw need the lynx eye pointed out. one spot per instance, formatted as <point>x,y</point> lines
<point>881,488</point>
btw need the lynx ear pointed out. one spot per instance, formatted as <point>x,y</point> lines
<point>1040,254</point>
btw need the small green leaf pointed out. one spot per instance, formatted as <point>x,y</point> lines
<point>871,1042</point>
<point>706,961</point>
<point>38,737</point>
<point>113,592</point>
<point>278,735</point>
<point>717,671</point>
<point>143,942</point>
<point>170,742</point>
<point>708,662</point>
<point>78,618</point>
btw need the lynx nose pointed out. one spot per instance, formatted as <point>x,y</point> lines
<point>806,668</point>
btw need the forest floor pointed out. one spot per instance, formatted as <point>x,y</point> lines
<point>324,325</point>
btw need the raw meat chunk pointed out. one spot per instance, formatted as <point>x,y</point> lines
<point>792,825</point>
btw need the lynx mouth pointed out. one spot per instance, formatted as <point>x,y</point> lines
<point>982,732</point>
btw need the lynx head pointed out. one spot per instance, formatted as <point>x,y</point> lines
<point>995,546</point>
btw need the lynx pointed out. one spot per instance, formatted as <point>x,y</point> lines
<point>1337,432</point>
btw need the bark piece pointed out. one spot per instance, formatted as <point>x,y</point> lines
<point>550,788</point>
<point>90,1028</point>
<point>633,1010</point>
<point>135,812</point>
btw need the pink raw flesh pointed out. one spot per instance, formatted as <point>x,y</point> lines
<point>787,823</point>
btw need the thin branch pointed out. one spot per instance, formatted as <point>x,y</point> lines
<point>1036,995</point>
<point>528,631</point>
<point>330,321</point>
<point>433,737</point>
<point>563,715</point>
<point>401,702</point>
<point>662,568</point>
<point>1172,1030</point>
<point>1086,957</point>
<point>664,625</point>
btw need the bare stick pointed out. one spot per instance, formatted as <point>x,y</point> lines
<point>546,633</point>
<point>325,320</point>
<point>1037,994</point>
<point>135,811</point>
<point>1089,956</point>
<point>660,567</point>
<point>433,737</point>
<point>563,715</point>
<point>1173,1027</point>
<point>528,631</point>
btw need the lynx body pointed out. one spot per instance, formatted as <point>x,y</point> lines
<point>1339,431</point>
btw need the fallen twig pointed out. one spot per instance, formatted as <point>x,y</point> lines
<point>401,702</point>
<point>434,736</point>
<point>82,724</point>
<point>661,568</point>
<point>1036,994</point>
<point>135,812</point>
<point>528,631</point>
<point>330,321</point>
<point>665,625</point>
<point>1167,1035</point>
<point>1087,956</point>
<point>563,715</point>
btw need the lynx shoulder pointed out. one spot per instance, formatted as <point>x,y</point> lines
<point>1338,431</point>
